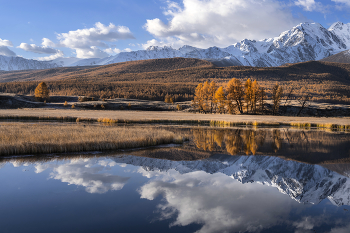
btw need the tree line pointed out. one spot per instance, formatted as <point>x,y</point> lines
<point>235,97</point>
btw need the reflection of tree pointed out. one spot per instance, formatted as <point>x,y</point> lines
<point>219,136</point>
<point>252,139</point>
<point>276,140</point>
<point>231,140</point>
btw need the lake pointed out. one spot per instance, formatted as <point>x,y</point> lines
<point>222,180</point>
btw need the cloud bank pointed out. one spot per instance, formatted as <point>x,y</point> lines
<point>4,50</point>
<point>87,42</point>
<point>220,22</point>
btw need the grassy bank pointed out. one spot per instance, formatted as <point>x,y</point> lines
<point>22,138</point>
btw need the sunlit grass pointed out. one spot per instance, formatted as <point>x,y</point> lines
<point>22,138</point>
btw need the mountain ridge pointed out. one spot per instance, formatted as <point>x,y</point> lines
<point>304,42</point>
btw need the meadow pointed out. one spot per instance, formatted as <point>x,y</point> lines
<point>30,138</point>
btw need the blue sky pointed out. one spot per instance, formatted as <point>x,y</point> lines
<point>47,29</point>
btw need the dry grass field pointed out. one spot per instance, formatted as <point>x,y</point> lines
<point>153,79</point>
<point>23,138</point>
<point>126,116</point>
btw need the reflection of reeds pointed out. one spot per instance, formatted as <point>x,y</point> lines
<point>303,125</point>
<point>37,138</point>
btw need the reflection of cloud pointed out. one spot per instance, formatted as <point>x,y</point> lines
<point>218,202</point>
<point>345,229</point>
<point>86,173</point>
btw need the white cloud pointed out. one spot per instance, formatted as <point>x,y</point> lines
<point>6,52</point>
<point>5,43</point>
<point>346,2</point>
<point>220,22</point>
<point>48,43</point>
<point>87,42</point>
<point>51,57</point>
<point>45,48</point>
<point>310,5</point>
<point>37,49</point>
<point>112,51</point>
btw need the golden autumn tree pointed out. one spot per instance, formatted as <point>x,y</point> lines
<point>205,96</point>
<point>42,93</point>
<point>211,95</point>
<point>235,93</point>
<point>198,100</point>
<point>256,95</point>
<point>277,92</point>
<point>220,99</point>
<point>248,93</point>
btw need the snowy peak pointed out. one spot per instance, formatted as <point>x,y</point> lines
<point>342,31</point>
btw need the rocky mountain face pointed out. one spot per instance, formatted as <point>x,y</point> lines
<point>304,183</point>
<point>305,42</point>
<point>19,63</point>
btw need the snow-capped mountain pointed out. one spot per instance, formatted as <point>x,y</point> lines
<point>305,42</point>
<point>19,63</point>
<point>304,183</point>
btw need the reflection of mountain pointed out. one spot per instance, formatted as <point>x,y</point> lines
<point>302,182</point>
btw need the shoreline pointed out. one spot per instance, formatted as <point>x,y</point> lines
<point>131,117</point>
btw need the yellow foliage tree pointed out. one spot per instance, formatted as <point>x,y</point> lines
<point>235,93</point>
<point>42,93</point>
<point>198,98</point>
<point>248,93</point>
<point>220,99</point>
<point>277,92</point>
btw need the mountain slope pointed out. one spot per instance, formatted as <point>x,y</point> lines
<point>342,57</point>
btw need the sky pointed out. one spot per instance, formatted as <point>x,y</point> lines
<point>49,29</point>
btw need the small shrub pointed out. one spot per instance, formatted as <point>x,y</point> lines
<point>65,103</point>
<point>129,106</point>
<point>178,107</point>
<point>73,106</point>
<point>102,106</point>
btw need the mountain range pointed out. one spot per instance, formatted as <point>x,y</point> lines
<point>304,42</point>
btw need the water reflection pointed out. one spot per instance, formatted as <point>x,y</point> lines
<point>88,173</point>
<point>306,146</point>
<point>304,183</point>
<point>220,194</point>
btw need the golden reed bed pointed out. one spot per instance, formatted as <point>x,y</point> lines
<point>25,138</point>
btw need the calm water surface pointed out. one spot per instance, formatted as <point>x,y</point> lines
<point>127,193</point>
